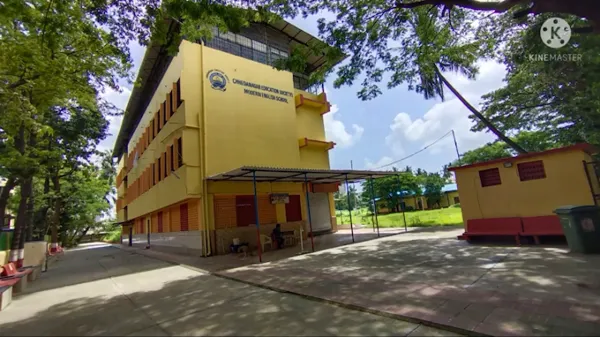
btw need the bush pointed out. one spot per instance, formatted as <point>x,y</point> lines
<point>114,236</point>
<point>455,206</point>
<point>409,208</point>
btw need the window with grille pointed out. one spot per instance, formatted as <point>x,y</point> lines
<point>164,156</point>
<point>159,170</point>
<point>153,174</point>
<point>178,93</point>
<point>172,155</point>
<point>531,170</point>
<point>180,154</point>
<point>490,177</point>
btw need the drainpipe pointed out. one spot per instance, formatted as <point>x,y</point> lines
<point>202,124</point>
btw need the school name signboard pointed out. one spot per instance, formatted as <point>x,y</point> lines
<point>264,91</point>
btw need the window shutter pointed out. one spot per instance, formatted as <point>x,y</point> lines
<point>183,214</point>
<point>490,177</point>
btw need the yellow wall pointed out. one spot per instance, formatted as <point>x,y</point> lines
<point>410,201</point>
<point>4,255</point>
<point>565,184</point>
<point>309,120</point>
<point>246,188</point>
<point>185,183</point>
<point>240,130</point>
<point>243,129</point>
<point>314,158</point>
<point>448,198</point>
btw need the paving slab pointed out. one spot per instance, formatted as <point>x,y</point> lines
<point>487,289</point>
<point>106,291</point>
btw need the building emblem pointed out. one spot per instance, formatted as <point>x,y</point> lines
<point>218,80</point>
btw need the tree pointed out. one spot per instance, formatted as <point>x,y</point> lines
<point>56,59</point>
<point>558,98</point>
<point>433,184</point>
<point>402,44</point>
<point>536,141</point>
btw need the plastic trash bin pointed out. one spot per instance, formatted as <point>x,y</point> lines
<point>581,226</point>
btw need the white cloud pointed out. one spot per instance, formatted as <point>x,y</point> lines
<point>336,131</point>
<point>409,134</point>
<point>383,161</point>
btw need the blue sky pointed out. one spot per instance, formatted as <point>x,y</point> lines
<point>392,126</point>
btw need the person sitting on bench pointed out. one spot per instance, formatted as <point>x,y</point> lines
<point>277,237</point>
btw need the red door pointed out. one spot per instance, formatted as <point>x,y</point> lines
<point>244,209</point>
<point>183,217</point>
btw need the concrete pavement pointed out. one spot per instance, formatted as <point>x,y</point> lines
<point>432,277</point>
<point>102,290</point>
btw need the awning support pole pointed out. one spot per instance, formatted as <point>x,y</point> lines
<point>349,208</point>
<point>312,240</point>
<point>374,205</point>
<point>401,206</point>
<point>259,246</point>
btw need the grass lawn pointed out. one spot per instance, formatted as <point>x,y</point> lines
<point>437,217</point>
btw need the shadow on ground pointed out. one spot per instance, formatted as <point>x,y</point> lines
<point>165,299</point>
<point>490,289</point>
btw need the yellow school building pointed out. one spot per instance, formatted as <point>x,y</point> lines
<point>215,136</point>
<point>528,187</point>
<point>409,201</point>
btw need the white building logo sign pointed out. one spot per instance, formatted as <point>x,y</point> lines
<point>218,80</point>
<point>555,33</point>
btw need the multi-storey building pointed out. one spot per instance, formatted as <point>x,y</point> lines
<point>217,106</point>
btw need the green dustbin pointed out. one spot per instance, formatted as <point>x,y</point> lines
<point>581,225</point>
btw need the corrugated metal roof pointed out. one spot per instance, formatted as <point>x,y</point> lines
<point>273,174</point>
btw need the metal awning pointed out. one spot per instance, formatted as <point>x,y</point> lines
<point>273,174</point>
<point>126,222</point>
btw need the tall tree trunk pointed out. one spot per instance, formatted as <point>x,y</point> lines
<point>41,216</point>
<point>17,253</point>
<point>56,212</point>
<point>20,221</point>
<point>30,216</point>
<point>478,114</point>
<point>4,195</point>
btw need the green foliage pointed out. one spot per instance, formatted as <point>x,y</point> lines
<point>534,141</point>
<point>559,98</point>
<point>341,199</point>
<point>392,46</point>
<point>451,216</point>
<point>393,189</point>
<point>433,184</point>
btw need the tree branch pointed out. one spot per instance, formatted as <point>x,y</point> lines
<point>497,6</point>
<point>479,115</point>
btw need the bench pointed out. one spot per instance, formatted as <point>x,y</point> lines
<point>493,227</point>
<point>10,272</point>
<point>6,292</point>
<point>537,226</point>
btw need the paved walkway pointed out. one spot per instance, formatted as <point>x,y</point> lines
<point>102,290</point>
<point>494,290</point>
<point>322,242</point>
